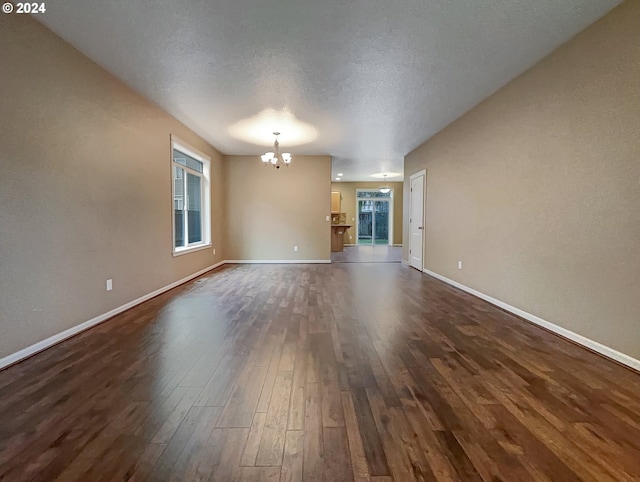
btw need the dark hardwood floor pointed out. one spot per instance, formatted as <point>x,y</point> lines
<point>318,372</point>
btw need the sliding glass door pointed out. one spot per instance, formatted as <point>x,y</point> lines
<point>374,210</point>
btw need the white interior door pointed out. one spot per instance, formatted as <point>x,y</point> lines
<point>416,220</point>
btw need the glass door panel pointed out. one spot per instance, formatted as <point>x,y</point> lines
<point>373,222</point>
<point>381,222</point>
<point>365,222</point>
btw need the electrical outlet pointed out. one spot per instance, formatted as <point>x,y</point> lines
<point>109,284</point>
<point>459,264</point>
<point>295,248</point>
<point>214,250</point>
<point>327,218</point>
<point>350,237</point>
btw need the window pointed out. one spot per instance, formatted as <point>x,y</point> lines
<point>191,198</point>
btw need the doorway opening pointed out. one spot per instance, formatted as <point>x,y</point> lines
<point>374,225</point>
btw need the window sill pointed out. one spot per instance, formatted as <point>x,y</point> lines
<point>190,249</point>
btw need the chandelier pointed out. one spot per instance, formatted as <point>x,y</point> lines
<point>274,158</point>
<point>385,189</point>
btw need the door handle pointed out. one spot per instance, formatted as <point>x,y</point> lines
<point>419,227</point>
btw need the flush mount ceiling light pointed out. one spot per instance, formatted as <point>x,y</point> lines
<point>274,158</point>
<point>385,189</point>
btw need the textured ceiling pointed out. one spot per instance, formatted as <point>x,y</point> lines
<point>365,81</point>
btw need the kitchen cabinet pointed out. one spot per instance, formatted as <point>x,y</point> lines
<point>336,199</point>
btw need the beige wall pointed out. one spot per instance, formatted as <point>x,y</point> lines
<point>348,192</point>
<point>537,189</point>
<point>85,190</point>
<point>270,211</point>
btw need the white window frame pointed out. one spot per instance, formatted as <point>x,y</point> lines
<point>205,175</point>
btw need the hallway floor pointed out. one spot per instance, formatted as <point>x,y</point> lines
<point>318,372</point>
<point>368,254</point>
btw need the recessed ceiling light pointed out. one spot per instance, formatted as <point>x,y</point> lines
<point>340,174</point>
<point>337,178</point>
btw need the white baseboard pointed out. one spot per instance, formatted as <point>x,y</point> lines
<point>349,244</point>
<point>575,337</point>
<point>55,339</point>
<point>277,261</point>
<point>404,261</point>
<point>397,245</point>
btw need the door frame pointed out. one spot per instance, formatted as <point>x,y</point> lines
<point>423,172</point>
<point>386,199</point>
